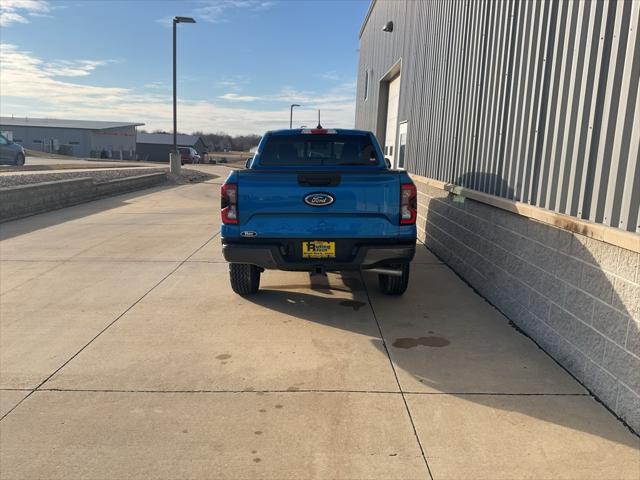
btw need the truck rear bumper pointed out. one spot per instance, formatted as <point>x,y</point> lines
<point>270,257</point>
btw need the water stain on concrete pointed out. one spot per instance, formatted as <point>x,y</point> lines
<point>258,432</point>
<point>254,451</point>
<point>262,410</point>
<point>355,304</point>
<point>257,459</point>
<point>422,341</point>
<point>278,406</point>
<point>224,356</point>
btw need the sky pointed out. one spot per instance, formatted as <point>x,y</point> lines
<point>239,67</point>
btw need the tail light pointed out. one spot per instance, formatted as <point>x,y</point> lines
<point>319,131</point>
<point>408,204</point>
<point>229,203</point>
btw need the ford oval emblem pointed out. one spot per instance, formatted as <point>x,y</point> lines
<point>319,199</point>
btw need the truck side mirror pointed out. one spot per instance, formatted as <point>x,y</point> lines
<point>388,162</point>
<point>247,163</point>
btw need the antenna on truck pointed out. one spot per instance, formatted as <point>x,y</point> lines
<point>319,126</point>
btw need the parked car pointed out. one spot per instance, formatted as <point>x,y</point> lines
<point>188,155</point>
<point>11,153</point>
<point>318,200</point>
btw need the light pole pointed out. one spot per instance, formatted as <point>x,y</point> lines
<point>291,115</point>
<point>176,21</point>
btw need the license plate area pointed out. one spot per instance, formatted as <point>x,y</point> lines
<point>318,249</point>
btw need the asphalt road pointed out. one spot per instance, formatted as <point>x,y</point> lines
<point>125,354</point>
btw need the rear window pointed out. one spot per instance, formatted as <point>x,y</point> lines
<point>310,149</point>
<point>184,151</point>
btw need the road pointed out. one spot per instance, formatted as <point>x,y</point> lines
<point>125,354</point>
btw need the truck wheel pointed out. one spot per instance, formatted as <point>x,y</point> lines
<point>392,285</point>
<point>245,278</point>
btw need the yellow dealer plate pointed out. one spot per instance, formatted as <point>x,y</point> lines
<point>318,249</point>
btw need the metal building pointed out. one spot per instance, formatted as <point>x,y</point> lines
<point>156,146</point>
<point>533,101</point>
<point>520,124</point>
<point>80,138</point>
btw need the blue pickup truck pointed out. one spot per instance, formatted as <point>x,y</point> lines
<point>318,200</point>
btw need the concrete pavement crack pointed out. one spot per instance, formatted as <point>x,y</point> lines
<point>395,374</point>
<point>312,390</point>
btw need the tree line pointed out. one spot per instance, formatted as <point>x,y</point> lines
<point>220,141</point>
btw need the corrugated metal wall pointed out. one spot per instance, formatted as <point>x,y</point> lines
<point>531,100</point>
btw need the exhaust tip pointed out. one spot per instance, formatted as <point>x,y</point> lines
<point>386,271</point>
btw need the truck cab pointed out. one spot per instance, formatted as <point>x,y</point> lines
<point>318,200</point>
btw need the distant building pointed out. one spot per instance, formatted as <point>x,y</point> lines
<point>157,146</point>
<point>80,138</point>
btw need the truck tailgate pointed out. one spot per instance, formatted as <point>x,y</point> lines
<point>366,204</point>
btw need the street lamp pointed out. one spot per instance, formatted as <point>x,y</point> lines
<point>291,115</point>
<point>176,20</point>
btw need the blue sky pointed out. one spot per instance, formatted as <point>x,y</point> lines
<point>239,67</point>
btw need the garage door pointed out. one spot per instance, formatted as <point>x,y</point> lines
<point>392,121</point>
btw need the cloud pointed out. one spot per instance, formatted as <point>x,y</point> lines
<point>77,68</point>
<point>32,87</point>
<point>233,82</point>
<point>335,97</point>
<point>331,75</point>
<point>217,11</point>
<point>23,75</point>
<point>156,85</point>
<point>18,11</point>
<point>165,21</point>
<point>238,98</point>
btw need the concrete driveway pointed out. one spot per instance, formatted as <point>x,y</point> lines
<point>124,354</point>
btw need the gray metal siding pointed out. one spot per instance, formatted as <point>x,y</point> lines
<point>83,142</point>
<point>118,141</point>
<point>159,152</point>
<point>35,137</point>
<point>535,101</point>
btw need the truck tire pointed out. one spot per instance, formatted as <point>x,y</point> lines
<point>392,285</point>
<point>245,278</point>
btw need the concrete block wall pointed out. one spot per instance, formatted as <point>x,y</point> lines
<point>577,297</point>
<point>24,200</point>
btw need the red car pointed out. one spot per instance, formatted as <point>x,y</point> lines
<point>188,155</point>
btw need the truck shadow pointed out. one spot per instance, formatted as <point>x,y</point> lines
<point>22,226</point>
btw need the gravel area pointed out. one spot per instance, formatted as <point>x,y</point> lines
<point>98,176</point>
<point>191,176</point>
